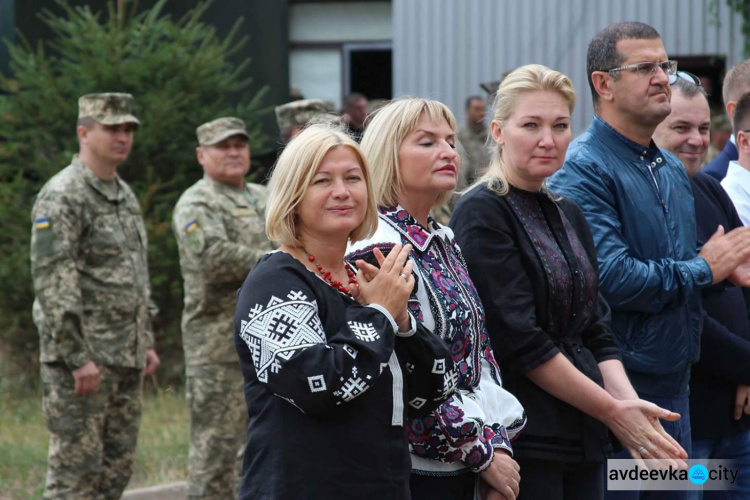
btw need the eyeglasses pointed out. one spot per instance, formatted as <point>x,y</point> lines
<point>649,68</point>
<point>688,77</point>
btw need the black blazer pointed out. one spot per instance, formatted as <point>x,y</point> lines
<point>725,339</point>
<point>512,284</point>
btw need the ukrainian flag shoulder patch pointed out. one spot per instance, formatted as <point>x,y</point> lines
<point>191,226</point>
<point>42,223</point>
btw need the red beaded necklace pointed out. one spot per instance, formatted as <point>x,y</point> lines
<point>328,277</point>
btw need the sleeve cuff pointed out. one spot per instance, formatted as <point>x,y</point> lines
<point>77,360</point>
<point>385,312</point>
<point>700,272</point>
<point>412,328</point>
<point>479,456</point>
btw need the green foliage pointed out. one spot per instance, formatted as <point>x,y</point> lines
<point>742,7</point>
<point>181,73</point>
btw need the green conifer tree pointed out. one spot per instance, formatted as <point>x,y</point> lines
<point>181,73</point>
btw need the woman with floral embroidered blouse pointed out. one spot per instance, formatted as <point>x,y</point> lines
<point>327,378</point>
<point>410,147</point>
<point>532,258</point>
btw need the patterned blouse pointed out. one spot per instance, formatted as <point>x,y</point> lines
<point>329,379</point>
<point>463,432</point>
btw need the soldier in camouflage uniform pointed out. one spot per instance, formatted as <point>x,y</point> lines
<point>293,116</point>
<point>220,229</point>
<point>92,307</point>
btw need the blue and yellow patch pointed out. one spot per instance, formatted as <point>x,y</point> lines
<point>191,226</point>
<point>42,223</point>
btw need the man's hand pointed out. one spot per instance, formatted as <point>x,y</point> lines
<point>741,275</point>
<point>725,252</point>
<point>152,362</point>
<point>87,379</point>
<point>741,401</point>
<point>503,474</point>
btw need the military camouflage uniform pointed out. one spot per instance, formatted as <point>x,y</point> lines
<point>475,155</point>
<point>90,270</point>
<point>294,116</point>
<point>220,230</point>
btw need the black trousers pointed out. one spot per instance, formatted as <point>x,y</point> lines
<point>548,480</point>
<point>458,487</point>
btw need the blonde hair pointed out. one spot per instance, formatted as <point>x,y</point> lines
<point>383,139</point>
<point>529,78</point>
<point>293,174</point>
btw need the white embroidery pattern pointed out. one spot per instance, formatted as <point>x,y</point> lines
<point>364,331</point>
<point>438,367</point>
<point>352,388</point>
<point>417,402</point>
<point>276,332</point>
<point>450,383</point>
<point>317,383</point>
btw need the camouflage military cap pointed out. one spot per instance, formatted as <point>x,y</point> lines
<point>108,109</point>
<point>217,130</point>
<point>720,122</point>
<point>299,113</point>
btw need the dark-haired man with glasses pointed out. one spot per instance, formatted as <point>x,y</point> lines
<point>638,202</point>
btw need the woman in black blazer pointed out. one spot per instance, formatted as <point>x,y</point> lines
<point>532,258</point>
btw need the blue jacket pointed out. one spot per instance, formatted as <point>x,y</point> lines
<point>717,168</point>
<point>639,204</point>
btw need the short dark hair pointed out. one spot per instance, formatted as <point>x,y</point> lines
<point>689,89</point>
<point>742,113</point>
<point>602,53</point>
<point>473,98</point>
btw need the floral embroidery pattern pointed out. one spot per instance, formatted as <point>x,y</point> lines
<point>448,434</point>
<point>571,285</point>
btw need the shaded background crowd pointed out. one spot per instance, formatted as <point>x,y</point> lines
<point>184,72</point>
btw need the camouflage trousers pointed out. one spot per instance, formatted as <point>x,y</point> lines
<point>93,437</point>
<point>218,427</point>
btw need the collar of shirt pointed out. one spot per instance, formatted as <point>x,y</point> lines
<point>102,187</point>
<point>627,149</point>
<point>240,196</point>
<point>414,232</point>
<point>737,174</point>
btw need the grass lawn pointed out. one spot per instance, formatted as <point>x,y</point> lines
<point>162,445</point>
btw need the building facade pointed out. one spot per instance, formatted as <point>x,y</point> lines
<point>445,49</point>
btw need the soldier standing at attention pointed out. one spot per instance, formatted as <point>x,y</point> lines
<point>92,307</point>
<point>219,223</point>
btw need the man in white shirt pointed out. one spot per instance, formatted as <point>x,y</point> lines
<point>737,181</point>
<point>736,83</point>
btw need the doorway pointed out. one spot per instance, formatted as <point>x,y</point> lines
<point>368,69</point>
